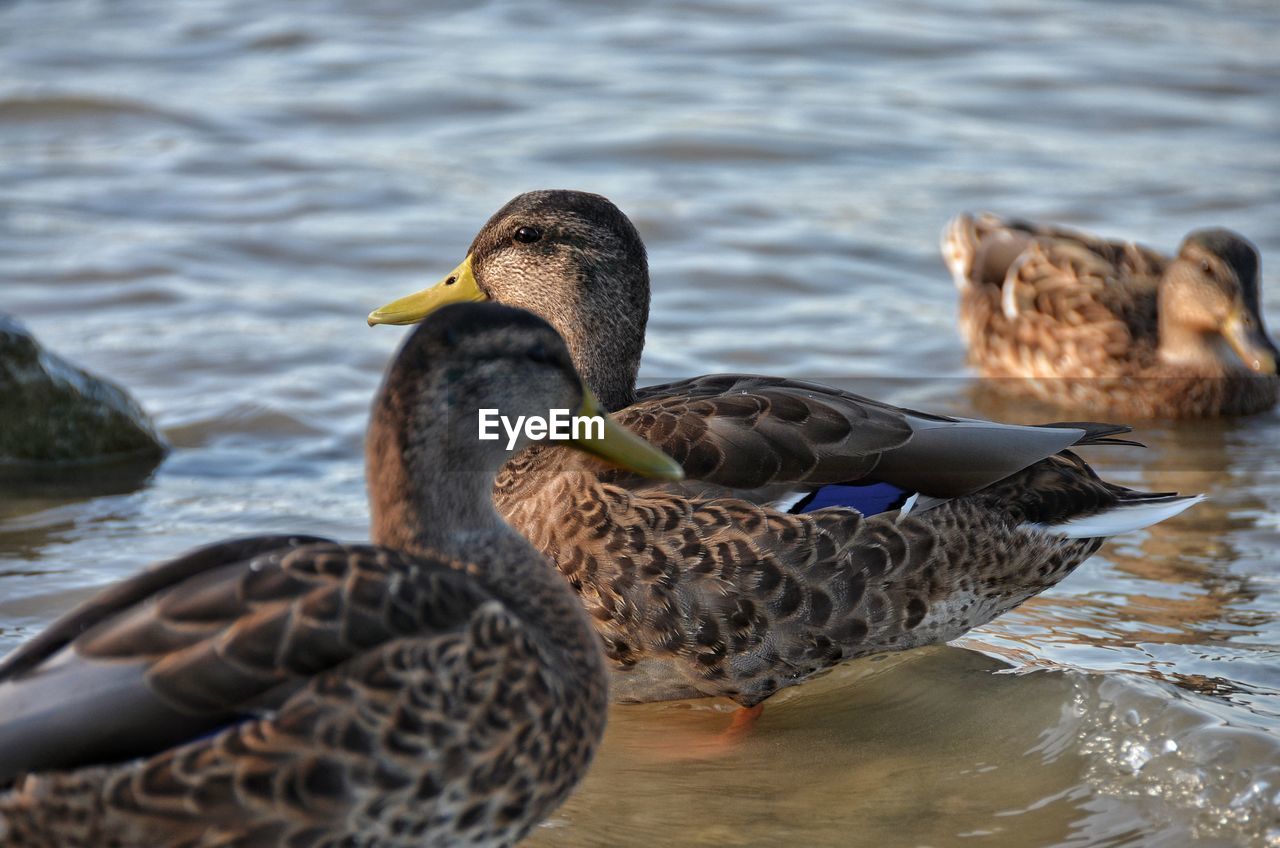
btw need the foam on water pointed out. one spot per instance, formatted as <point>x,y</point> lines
<point>1176,762</point>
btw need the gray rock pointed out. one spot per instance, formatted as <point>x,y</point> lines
<point>53,413</point>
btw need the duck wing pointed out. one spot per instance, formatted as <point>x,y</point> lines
<point>209,639</point>
<point>750,433</point>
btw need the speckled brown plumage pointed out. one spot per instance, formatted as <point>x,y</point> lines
<point>721,595</point>
<point>718,585</point>
<point>1110,327</point>
<point>281,691</point>
<point>409,722</point>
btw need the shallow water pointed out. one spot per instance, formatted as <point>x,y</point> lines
<point>202,200</point>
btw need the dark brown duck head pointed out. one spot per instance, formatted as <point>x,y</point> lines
<point>1210,305</point>
<point>570,257</point>
<point>429,473</point>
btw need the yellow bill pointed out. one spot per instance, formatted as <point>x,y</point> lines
<point>622,447</point>
<point>459,287</point>
<point>1250,342</point>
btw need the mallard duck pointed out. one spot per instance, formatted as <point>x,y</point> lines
<point>814,525</point>
<point>1113,327</point>
<point>292,691</point>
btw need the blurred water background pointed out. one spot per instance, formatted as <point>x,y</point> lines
<point>202,199</point>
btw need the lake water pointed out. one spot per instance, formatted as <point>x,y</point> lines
<point>202,200</point>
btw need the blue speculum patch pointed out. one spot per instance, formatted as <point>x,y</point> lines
<point>869,499</point>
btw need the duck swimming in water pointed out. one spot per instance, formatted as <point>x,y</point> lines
<point>1111,327</point>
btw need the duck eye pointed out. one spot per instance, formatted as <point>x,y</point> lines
<point>528,235</point>
<point>1205,266</point>
<point>539,353</point>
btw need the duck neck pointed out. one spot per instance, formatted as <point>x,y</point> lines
<point>602,321</point>
<point>426,491</point>
<point>428,497</point>
<point>607,355</point>
<point>1190,347</point>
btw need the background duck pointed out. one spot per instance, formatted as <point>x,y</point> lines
<point>288,690</point>
<point>814,525</point>
<point>1114,327</point>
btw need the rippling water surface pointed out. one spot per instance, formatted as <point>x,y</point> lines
<point>202,200</point>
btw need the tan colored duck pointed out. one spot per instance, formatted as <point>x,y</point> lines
<point>1112,327</point>
<point>442,689</point>
<point>814,525</point>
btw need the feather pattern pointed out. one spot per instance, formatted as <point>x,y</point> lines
<point>722,595</point>
<point>351,690</point>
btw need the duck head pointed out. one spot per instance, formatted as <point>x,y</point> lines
<point>426,420</point>
<point>1210,300</point>
<point>569,257</point>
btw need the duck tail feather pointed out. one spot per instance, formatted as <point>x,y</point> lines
<point>1097,432</point>
<point>1124,516</point>
<point>959,243</point>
